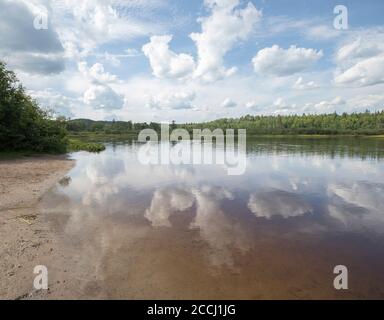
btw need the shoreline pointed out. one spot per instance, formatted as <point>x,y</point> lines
<point>27,239</point>
<point>24,180</point>
<point>130,135</point>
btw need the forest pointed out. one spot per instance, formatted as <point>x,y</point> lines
<point>366,123</point>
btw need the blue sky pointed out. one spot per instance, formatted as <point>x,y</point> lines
<point>159,60</point>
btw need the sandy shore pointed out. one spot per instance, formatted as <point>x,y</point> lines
<point>24,181</point>
<point>26,240</point>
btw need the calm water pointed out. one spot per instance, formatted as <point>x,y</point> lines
<point>302,207</point>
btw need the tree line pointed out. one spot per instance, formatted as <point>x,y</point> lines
<point>356,123</point>
<point>364,123</point>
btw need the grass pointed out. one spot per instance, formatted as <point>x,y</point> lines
<point>73,145</point>
<point>77,145</point>
<point>10,155</point>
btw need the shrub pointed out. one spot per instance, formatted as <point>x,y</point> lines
<point>23,124</point>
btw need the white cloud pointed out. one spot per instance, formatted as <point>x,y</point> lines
<point>322,32</point>
<point>300,84</point>
<point>172,100</point>
<point>364,46</point>
<point>355,103</point>
<point>364,73</point>
<point>115,59</point>
<point>164,62</point>
<point>281,107</point>
<point>60,104</point>
<point>101,96</point>
<point>325,106</point>
<point>96,73</point>
<point>280,62</point>
<point>367,101</point>
<point>360,61</point>
<point>131,52</point>
<point>228,103</point>
<point>85,25</point>
<point>220,32</point>
<point>252,105</point>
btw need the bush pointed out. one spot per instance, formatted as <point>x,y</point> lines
<point>77,145</point>
<point>23,124</point>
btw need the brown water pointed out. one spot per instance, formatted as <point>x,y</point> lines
<point>302,207</point>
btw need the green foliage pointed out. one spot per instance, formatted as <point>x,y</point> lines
<point>324,124</point>
<point>23,124</point>
<point>365,123</point>
<point>108,127</point>
<point>77,145</point>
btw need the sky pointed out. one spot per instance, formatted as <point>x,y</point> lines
<point>192,61</point>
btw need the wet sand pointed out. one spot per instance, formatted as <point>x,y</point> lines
<point>26,240</point>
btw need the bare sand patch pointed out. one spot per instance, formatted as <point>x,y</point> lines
<point>24,181</point>
<point>26,240</point>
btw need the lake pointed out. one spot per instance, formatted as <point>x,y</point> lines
<point>302,207</point>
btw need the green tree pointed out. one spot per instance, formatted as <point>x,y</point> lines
<point>23,124</point>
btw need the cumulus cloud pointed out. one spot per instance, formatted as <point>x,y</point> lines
<point>281,62</point>
<point>172,100</point>
<point>278,203</point>
<point>164,62</point>
<point>360,61</point>
<point>100,96</point>
<point>220,32</point>
<point>96,72</point>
